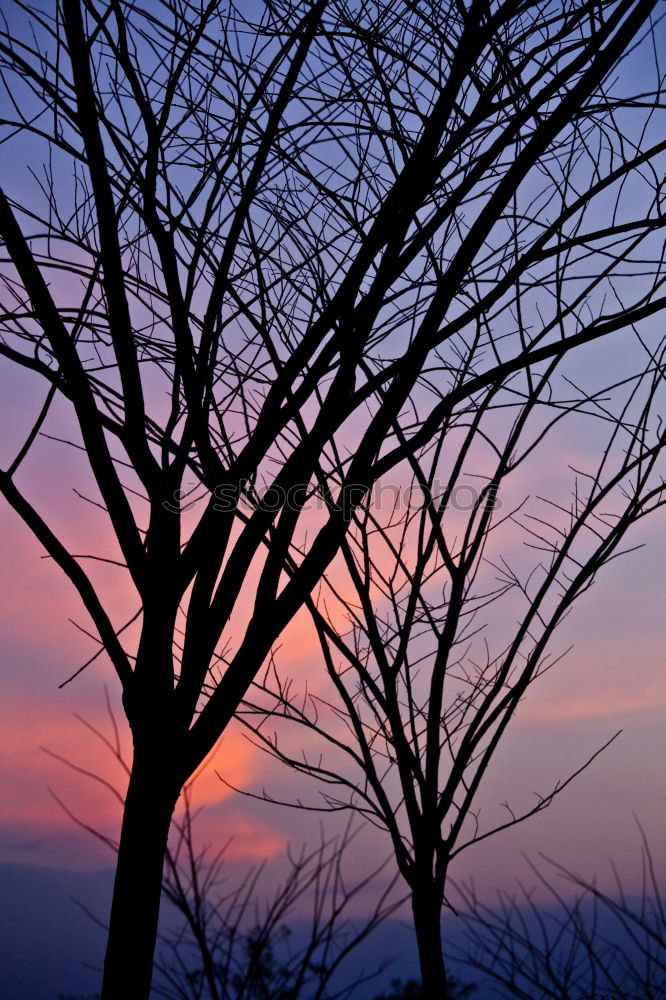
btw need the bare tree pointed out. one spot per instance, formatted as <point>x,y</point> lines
<point>289,244</point>
<point>426,676</point>
<point>235,939</point>
<point>236,945</point>
<point>595,944</point>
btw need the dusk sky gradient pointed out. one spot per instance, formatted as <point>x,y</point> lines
<point>612,679</point>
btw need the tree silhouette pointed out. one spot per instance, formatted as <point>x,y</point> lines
<point>425,677</point>
<point>285,244</point>
<point>595,945</point>
<point>235,945</point>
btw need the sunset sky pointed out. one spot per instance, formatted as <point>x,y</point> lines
<point>612,679</point>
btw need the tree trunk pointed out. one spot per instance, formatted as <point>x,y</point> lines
<point>427,911</point>
<point>149,805</point>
